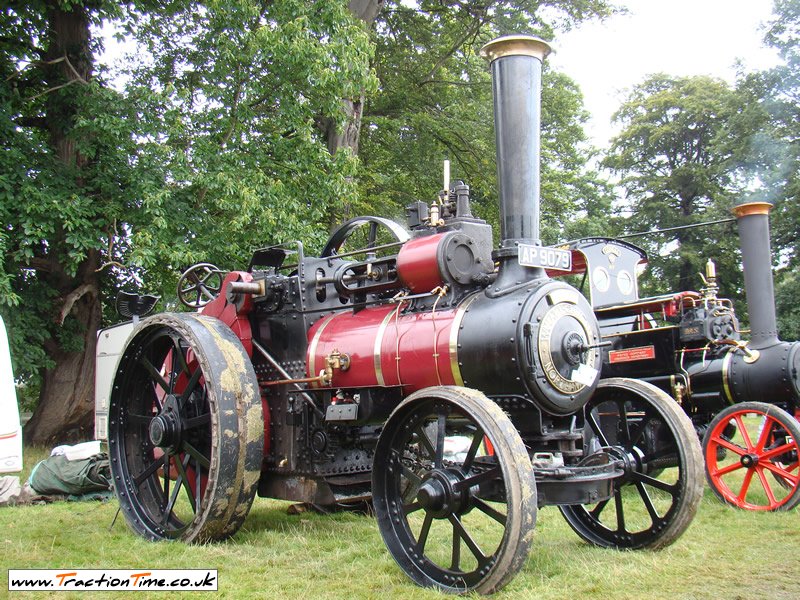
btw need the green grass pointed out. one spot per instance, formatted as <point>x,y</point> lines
<point>726,553</point>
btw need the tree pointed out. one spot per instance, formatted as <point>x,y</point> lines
<point>55,179</point>
<point>213,148</point>
<point>779,90</point>
<point>680,159</point>
<point>434,102</point>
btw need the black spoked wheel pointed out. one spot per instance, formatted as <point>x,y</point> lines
<point>658,495</point>
<point>454,491</point>
<point>185,430</point>
<point>752,457</point>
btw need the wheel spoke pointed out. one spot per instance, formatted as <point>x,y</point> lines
<point>147,472</point>
<point>481,477</point>
<point>748,476</point>
<point>425,441</point>
<point>139,420</point>
<point>728,469</point>
<point>783,473</point>
<point>620,511</point>
<point>623,419</point>
<point>455,564</point>
<point>767,487</point>
<point>648,503</point>
<point>592,420</point>
<point>595,512</point>
<point>194,422</point>
<point>411,507</point>
<point>640,430</point>
<point>743,431</point>
<point>173,497</point>
<point>773,452</point>
<point>373,235</point>
<point>489,510</point>
<point>193,380</point>
<point>166,471</point>
<point>198,484</point>
<point>423,533</point>
<point>471,543</point>
<point>729,445</point>
<point>671,489</point>
<point>196,454</point>
<point>178,351</point>
<point>155,376</point>
<point>180,465</point>
<point>440,431</point>
<point>477,439</point>
<point>766,430</point>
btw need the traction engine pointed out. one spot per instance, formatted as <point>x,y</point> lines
<point>742,395</point>
<point>453,383</point>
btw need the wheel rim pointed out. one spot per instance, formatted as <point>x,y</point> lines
<point>660,490</point>
<point>752,457</point>
<point>169,463</point>
<point>448,501</point>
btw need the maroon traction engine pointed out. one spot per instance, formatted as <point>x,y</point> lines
<point>456,385</point>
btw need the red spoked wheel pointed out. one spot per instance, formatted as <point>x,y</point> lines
<point>751,455</point>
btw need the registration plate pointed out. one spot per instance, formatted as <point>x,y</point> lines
<point>545,257</point>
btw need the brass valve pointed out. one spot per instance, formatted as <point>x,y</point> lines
<point>334,360</point>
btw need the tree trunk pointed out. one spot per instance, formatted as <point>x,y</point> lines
<point>66,401</point>
<point>348,136</point>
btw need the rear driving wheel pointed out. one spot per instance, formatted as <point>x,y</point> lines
<point>454,491</point>
<point>661,487</point>
<point>751,456</point>
<point>185,430</point>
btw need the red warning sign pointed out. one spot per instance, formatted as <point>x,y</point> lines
<point>631,354</point>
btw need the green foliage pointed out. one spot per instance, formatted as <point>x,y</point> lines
<point>229,104</point>
<point>682,159</point>
<point>211,149</point>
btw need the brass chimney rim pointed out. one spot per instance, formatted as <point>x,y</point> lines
<point>751,208</point>
<point>516,45</point>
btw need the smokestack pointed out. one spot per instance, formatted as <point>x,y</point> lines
<point>516,63</point>
<point>753,218</point>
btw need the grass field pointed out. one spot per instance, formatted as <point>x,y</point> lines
<point>726,554</point>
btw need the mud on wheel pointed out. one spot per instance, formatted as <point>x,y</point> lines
<point>454,491</point>
<point>185,430</point>
<point>660,490</point>
<point>751,455</point>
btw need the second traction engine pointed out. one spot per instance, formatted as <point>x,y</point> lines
<point>449,381</point>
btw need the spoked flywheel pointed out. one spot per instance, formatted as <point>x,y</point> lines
<point>662,483</point>
<point>185,430</point>
<point>751,452</point>
<point>367,233</point>
<point>454,491</point>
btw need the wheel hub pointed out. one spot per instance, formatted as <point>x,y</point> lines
<point>749,460</point>
<point>631,461</point>
<point>165,428</point>
<point>437,495</point>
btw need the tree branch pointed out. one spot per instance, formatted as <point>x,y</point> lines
<point>73,297</point>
